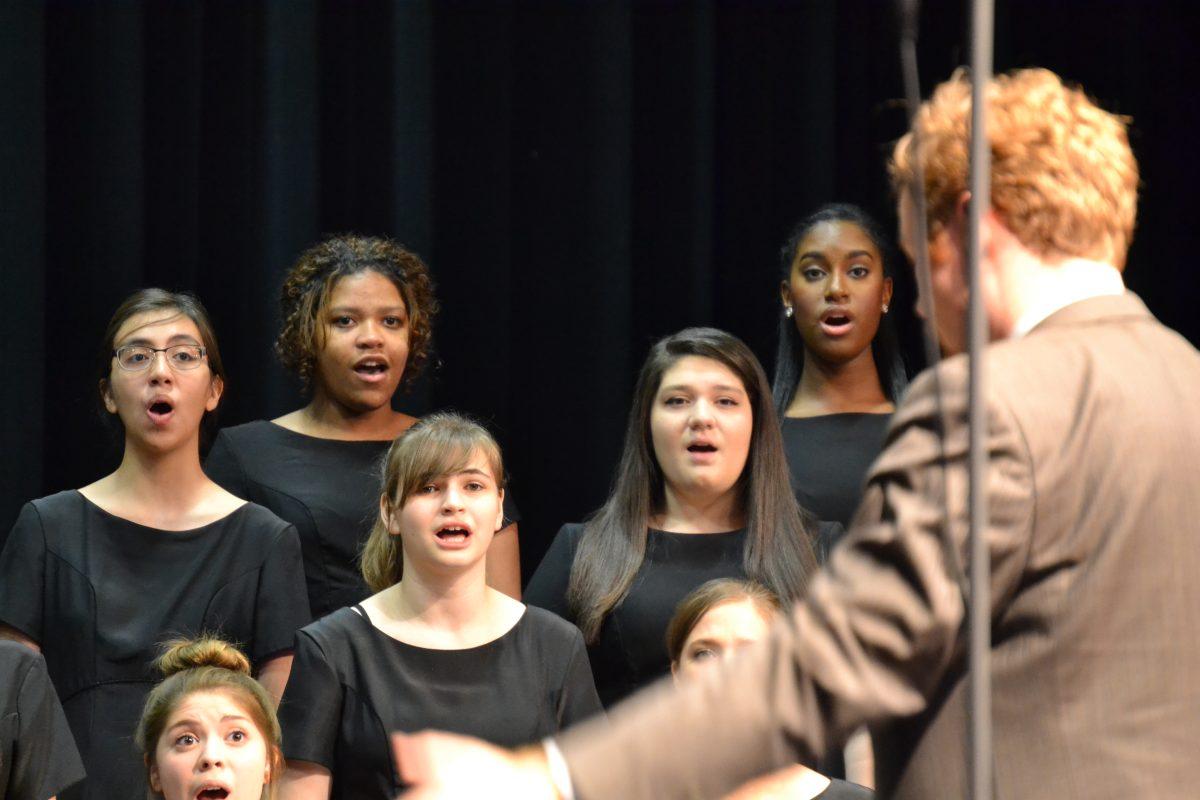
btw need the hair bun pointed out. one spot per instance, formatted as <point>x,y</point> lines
<point>207,651</point>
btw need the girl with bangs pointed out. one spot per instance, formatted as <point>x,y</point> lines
<point>435,646</point>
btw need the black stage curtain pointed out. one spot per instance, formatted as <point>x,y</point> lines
<point>582,178</point>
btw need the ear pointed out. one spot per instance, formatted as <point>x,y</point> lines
<point>675,671</point>
<point>155,783</point>
<point>385,513</point>
<point>215,389</point>
<point>500,513</point>
<point>887,291</point>
<point>106,395</point>
<point>785,291</point>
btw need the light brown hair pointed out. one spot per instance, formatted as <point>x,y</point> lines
<point>1064,179</point>
<point>707,596</point>
<point>208,664</point>
<point>310,283</point>
<point>438,444</point>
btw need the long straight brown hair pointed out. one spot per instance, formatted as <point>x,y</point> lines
<point>779,534</point>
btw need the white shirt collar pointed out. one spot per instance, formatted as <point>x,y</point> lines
<point>1099,280</point>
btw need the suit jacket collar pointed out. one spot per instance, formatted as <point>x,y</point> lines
<point>1104,308</point>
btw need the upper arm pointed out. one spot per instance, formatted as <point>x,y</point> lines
<point>12,634</point>
<point>23,579</point>
<point>273,675</point>
<point>548,587</point>
<point>503,563</point>
<point>578,699</point>
<point>304,780</point>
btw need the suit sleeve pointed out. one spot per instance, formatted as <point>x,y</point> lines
<point>23,574</point>
<point>876,636</point>
<point>548,587</point>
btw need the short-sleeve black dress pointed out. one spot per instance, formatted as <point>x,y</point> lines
<point>38,758</point>
<point>327,488</point>
<point>828,457</point>
<point>630,651</point>
<point>352,685</point>
<point>99,594</point>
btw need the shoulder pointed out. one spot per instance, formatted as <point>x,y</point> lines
<point>331,633</point>
<point>70,501</point>
<point>17,661</point>
<point>54,514</point>
<point>249,434</point>
<point>570,534</point>
<point>260,521</point>
<point>557,642</point>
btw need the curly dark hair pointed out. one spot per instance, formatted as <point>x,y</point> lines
<point>310,282</point>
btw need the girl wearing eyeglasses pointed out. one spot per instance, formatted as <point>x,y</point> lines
<point>96,578</point>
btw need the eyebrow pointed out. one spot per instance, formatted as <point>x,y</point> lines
<point>683,387</point>
<point>356,309</point>
<point>473,471</point>
<point>852,254</point>
<point>188,722</point>
<point>179,338</point>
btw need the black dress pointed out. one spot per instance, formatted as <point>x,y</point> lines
<point>99,594</point>
<point>327,488</point>
<point>38,758</point>
<point>352,685</point>
<point>828,457</point>
<point>631,650</point>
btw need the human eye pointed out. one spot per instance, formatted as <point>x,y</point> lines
<point>429,488</point>
<point>185,354</point>
<point>185,740</point>
<point>703,654</point>
<point>133,356</point>
<point>343,321</point>
<point>674,400</point>
<point>859,271</point>
<point>393,321</point>
<point>476,486</point>
<point>237,736</point>
<point>728,402</point>
<point>812,273</point>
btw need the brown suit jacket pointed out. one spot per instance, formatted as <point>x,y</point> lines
<point>1094,503</point>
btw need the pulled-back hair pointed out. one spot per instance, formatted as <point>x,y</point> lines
<point>885,347</point>
<point>779,533</point>
<point>208,664</point>
<point>709,595</point>
<point>1063,176</point>
<point>310,283</point>
<point>152,299</point>
<point>438,444</point>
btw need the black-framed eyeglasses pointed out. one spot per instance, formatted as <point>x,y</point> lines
<point>137,357</point>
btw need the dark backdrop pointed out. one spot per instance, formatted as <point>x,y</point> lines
<point>582,178</point>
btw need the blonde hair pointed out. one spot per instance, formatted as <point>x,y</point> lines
<point>208,664</point>
<point>1064,179</point>
<point>439,444</point>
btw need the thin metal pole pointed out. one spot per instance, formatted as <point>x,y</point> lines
<point>979,619</point>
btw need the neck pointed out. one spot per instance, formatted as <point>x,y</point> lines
<point>164,480</point>
<point>699,512</point>
<point>328,418</point>
<point>834,388</point>
<point>1034,290</point>
<point>450,601</point>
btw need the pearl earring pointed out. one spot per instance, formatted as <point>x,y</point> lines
<point>885,308</point>
<point>787,311</point>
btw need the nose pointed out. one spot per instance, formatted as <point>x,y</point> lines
<point>370,334</point>
<point>213,753</point>
<point>702,414</point>
<point>835,286</point>
<point>160,368</point>
<point>452,500</point>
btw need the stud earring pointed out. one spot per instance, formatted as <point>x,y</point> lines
<point>787,311</point>
<point>885,308</point>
